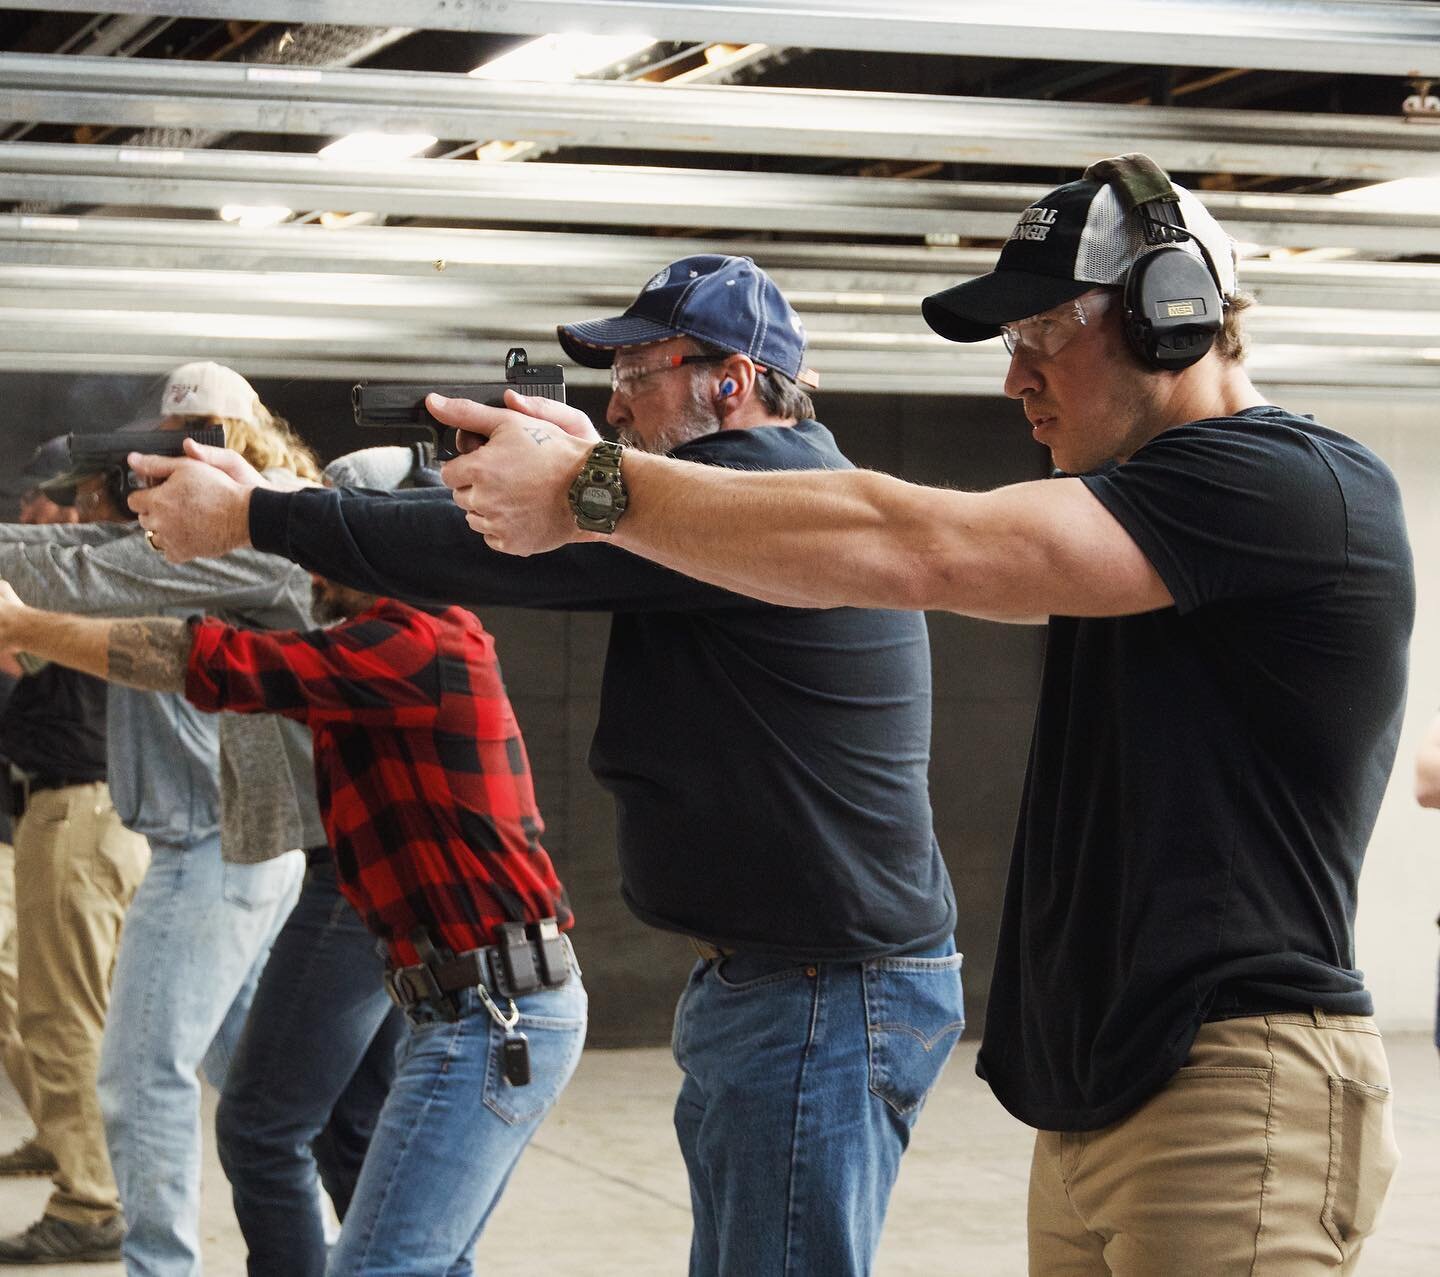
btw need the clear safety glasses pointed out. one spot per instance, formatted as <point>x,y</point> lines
<point>1044,336</point>
<point>623,380</point>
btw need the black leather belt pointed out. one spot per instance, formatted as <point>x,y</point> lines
<point>526,964</point>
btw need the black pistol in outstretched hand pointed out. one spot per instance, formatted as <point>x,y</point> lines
<point>107,453</point>
<point>400,404</point>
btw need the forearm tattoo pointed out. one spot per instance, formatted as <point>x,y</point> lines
<point>150,654</point>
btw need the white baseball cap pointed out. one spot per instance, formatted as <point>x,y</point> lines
<point>209,390</point>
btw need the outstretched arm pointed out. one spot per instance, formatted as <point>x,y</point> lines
<point>814,538</point>
<point>149,653</point>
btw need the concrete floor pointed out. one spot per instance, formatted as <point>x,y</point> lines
<point>604,1187</point>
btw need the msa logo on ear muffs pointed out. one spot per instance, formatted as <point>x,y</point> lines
<point>1173,307</point>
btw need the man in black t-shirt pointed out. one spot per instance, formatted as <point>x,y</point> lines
<point>1229,593</point>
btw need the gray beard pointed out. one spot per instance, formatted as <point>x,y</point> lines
<point>698,419</point>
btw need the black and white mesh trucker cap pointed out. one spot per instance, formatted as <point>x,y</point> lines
<point>1077,236</point>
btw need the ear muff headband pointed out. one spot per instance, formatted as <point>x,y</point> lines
<point>1173,307</point>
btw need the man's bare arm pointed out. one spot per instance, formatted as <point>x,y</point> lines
<point>820,539</point>
<point>816,538</point>
<point>150,653</point>
<point>1427,768</point>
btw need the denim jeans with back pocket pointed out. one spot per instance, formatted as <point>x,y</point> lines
<point>802,1084</point>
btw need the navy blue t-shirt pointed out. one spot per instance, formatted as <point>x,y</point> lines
<point>769,765</point>
<point>1204,778</point>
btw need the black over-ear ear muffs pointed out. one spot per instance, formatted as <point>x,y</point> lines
<point>1173,307</point>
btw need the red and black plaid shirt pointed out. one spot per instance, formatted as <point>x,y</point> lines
<point>419,765</point>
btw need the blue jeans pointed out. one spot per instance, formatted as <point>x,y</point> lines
<point>194,943</point>
<point>450,1134</point>
<point>802,1083</point>
<point>313,1068</point>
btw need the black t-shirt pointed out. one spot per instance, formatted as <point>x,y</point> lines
<point>768,764</point>
<point>53,725</point>
<point>1204,778</point>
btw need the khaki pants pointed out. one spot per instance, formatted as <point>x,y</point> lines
<point>12,1054</point>
<point>1268,1154</point>
<point>76,868</point>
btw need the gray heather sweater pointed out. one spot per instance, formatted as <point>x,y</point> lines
<point>266,777</point>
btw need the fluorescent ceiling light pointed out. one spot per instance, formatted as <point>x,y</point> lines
<point>563,57</point>
<point>378,146</point>
<point>254,214</point>
<point>1406,194</point>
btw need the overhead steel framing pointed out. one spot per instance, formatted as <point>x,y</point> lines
<point>103,291</point>
<point>826,124</point>
<point>620,195</point>
<point>1399,37</point>
<point>601,270</point>
<point>78,294</point>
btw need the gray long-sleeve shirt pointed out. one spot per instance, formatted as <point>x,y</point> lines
<point>174,776</point>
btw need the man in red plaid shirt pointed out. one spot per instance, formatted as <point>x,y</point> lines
<point>425,789</point>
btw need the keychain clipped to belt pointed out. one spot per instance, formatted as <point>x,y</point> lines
<point>527,958</point>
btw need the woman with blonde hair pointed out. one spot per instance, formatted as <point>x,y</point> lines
<point>209,394</point>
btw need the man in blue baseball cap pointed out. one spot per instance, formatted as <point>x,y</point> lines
<point>723,318</point>
<point>769,769</point>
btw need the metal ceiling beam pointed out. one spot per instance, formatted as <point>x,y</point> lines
<point>840,125</point>
<point>860,307</point>
<point>614,195</point>
<point>1374,37</point>
<point>480,302</point>
<point>354,348</point>
<point>595,273</point>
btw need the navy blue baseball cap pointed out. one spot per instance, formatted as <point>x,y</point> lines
<point>726,301</point>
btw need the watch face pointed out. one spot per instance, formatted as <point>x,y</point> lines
<point>596,502</point>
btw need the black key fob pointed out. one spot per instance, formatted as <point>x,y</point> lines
<point>515,1060</point>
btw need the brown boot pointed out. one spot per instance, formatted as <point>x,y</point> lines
<point>29,1159</point>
